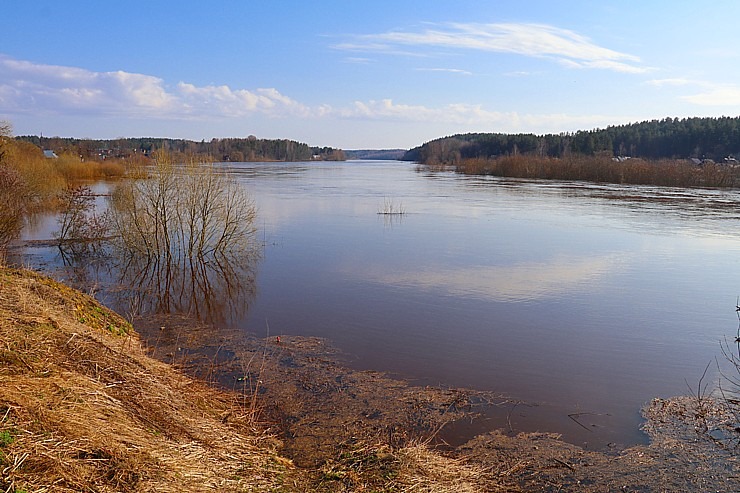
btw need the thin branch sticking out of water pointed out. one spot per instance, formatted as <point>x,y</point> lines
<point>390,208</point>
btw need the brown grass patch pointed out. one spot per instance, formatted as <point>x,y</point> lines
<point>83,408</point>
<point>424,470</point>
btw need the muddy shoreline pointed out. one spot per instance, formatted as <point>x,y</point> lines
<point>321,410</point>
<point>300,386</point>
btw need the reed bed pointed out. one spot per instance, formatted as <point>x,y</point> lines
<point>674,173</point>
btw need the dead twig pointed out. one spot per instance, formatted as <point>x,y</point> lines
<point>563,463</point>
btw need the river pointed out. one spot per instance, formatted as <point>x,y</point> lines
<point>582,301</point>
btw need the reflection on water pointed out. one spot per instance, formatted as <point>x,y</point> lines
<point>215,287</point>
<point>527,281</point>
<point>217,291</point>
<point>578,299</point>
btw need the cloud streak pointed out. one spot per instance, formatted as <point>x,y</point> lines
<point>527,39</point>
<point>446,70</point>
<point>709,93</point>
<point>468,115</point>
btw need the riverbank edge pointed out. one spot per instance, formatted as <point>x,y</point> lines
<point>84,406</point>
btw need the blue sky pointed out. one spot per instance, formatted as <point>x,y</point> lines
<point>350,74</point>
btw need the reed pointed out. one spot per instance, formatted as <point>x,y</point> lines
<point>74,169</point>
<point>666,172</point>
<point>391,208</point>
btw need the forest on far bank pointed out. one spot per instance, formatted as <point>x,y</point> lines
<point>228,149</point>
<point>715,139</point>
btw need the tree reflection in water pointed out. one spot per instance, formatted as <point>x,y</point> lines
<point>218,290</point>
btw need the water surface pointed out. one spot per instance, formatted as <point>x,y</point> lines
<point>584,301</point>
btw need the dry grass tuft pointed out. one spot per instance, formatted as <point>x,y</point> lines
<point>424,470</point>
<point>412,468</point>
<point>83,408</point>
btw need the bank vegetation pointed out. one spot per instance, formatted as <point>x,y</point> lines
<point>663,172</point>
<point>31,182</point>
<point>688,152</point>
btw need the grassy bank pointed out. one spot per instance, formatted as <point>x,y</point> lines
<point>674,173</point>
<point>84,408</point>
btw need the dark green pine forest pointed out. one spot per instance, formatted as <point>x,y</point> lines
<point>669,138</point>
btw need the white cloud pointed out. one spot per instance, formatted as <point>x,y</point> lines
<point>671,82</point>
<point>469,115</point>
<point>28,87</point>
<point>447,70</point>
<point>534,40</point>
<point>226,102</point>
<point>726,95</point>
<point>37,91</point>
<point>710,93</point>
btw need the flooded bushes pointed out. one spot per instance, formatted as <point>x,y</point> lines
<point>185,238</point>
<point>675,173</point>
<point>183,213</point>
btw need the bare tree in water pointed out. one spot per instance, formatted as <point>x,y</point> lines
<point>186,237</point>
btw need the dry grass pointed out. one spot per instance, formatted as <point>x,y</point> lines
<point>423,470</point>
<point>83,408</point>
<point>411,468</point>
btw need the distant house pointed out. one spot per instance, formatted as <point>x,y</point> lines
<point>50,154</point>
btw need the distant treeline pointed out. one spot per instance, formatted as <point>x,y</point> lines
<point>380,154</point>
<point>232,149</point>
<point>670,138</point>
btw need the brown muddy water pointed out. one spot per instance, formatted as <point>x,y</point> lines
<point>581,302</point>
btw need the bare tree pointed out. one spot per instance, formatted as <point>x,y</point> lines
<point>181,229</point>
<point>183,212</point>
